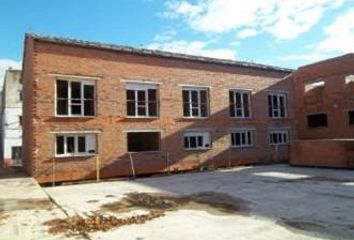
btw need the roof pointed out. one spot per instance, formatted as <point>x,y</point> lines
<point>158,53</point>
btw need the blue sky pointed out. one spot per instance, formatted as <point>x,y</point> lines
<point>287,33</point>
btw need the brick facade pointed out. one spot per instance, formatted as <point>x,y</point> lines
<point>45,60</point>
<point>333,97</point>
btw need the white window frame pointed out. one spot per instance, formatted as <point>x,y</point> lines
<point>76,152</point>
<point>206,136</point>
<point>242,108</point>
<point>143,87</point>
<point>82,99</point>
<point>278,109</point>
<point>199,107</point>
<point>247,137</point>
<point>282,132</point>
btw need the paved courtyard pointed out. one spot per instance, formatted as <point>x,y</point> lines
<point>263,202</point>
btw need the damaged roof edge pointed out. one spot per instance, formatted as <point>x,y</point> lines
<point>144,51</point>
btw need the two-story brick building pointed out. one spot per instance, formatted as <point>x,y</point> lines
<point>123,111</point>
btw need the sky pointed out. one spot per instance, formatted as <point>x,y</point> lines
<point>286,33</point>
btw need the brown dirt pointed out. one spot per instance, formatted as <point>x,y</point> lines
<point>24,204</point>
<point>3,217</point>
<point>156,203</point>
<point>212,202</point>
<point>74,226</point>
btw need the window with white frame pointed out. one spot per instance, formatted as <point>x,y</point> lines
<point>197,140</point>
<point>242,138</point>
<point>279,137</point>
<point>142,100</point>
<point>68,145</point>
<point>195,102</point>
<point>75,98</point>
<point>240,103</point>
<point>277,105</point>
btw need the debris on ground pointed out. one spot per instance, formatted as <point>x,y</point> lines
<point>208,201</point>
<point>74,226</point>
<point>3,217</point>
<point>156,204</point>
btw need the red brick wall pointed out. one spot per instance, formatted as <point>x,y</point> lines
<point>335,98</point>
<point>112,66</point>
<point>29,95</point>
<point>323,153</point>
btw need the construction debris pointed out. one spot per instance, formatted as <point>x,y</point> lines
<point>156,204</point>
<point>75,226</point>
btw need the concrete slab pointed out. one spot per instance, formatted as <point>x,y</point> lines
<point>283,203</point>
<point>24,207</point>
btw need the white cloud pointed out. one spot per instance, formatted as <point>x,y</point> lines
<point>284,19</point>
<point>339,39</point>
<point>339,35</point>
<point>194,48</point>
<point>248,32</point>
<point>5,64</point>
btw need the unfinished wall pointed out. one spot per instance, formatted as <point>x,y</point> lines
<point>111,121</point>
<point>324,88</point>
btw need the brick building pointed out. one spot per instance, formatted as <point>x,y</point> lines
<point>124,110</point>
<point>324,100</point>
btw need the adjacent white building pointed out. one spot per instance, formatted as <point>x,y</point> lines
<point>11,118</point>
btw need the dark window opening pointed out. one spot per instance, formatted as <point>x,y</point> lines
<point>351,117</point>
<point>16,152</point>
<point>317,120</point>
<point>60,144</point>
<point>143,141</point>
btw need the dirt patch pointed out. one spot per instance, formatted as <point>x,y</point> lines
<point>75,226</point>
<point>156,204</point>
<point>213,202</point>
<point>92,201</point>
<point>3,217</point>
<point>7,205</point>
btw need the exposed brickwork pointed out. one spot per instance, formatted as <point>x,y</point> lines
<point>335,99</point>
<point>44,58</point>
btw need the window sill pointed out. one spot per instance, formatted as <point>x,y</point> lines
<point>197,149</point>
<point>141,117</point>
<point>74,116</point>
<point>242,147</point>
<point>278,118</point>
<point>195,118</point>
<point>76,156</point>
<point>280,145</point>
<point>241,118</point>
<point>146,152</point>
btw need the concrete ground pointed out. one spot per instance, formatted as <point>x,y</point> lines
<point>24,208</point>
<point>264,202</point>
<point>275,202</point>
